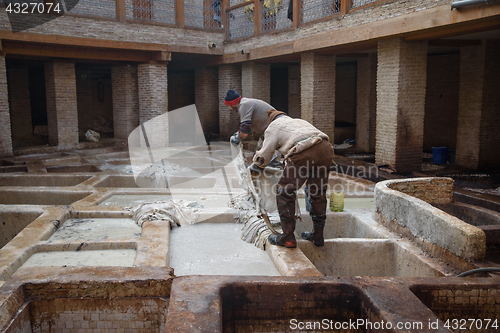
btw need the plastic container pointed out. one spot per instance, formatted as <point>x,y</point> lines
<point>336,201</point>
<point>439,155</point>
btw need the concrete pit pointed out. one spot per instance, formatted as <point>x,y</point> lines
<point>79,219</point>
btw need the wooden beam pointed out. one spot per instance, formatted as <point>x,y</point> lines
<point>454,42</point>
<point>225,4</point>
<point>121,10</point>
<point>428,24</point>
<point>102,43</point>
<point>242,4</point>
<point>60,51</point>
<point>179,7</point>
<point>79,41</point>
<point>161,56</point>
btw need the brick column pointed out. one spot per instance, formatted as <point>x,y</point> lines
<point>229,78</point>
<point>479,102</point>
<point>294,96</point>
<point>366,103</point>
<point>125,100</point>
<point>401,84</point>
<point>207,99</point>
<point>5,129</point>
<point>318,91</point>
<point>20,105</point>
<point>256,81</point>
<point>62,111</point>
<point>153,101</point>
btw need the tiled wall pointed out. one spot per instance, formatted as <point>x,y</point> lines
<point>99,315</point>
<point>474,305</point>
<point>252,308</point>
<point>22,322</point>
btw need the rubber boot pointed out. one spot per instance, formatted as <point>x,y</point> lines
<point>287,238</point>
<point>282,240</point>
<point>316,236</point>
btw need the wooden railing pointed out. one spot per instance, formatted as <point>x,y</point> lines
<point>246,18</point>
<point>273,15</point>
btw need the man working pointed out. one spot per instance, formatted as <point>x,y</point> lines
<point>253,115</point>
<point>308,156</point>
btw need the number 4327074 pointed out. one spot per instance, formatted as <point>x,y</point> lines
<point>33,8</point>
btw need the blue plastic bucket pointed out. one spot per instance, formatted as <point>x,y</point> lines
<point>439,155</point>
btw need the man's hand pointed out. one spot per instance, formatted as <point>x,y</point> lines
<point>254,169</point>
<point>235,138</point>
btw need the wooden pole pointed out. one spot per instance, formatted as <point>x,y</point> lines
<point>224,13</point>
<point>257,15</point>
<point>344,6</point>
<point>296,13</point>
<point>179,4</point>
<point>121,13</point>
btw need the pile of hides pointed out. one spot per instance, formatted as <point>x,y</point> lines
<point>260,195</point>
<point>176,212</point>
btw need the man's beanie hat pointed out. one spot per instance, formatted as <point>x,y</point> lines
<point>232,97</point>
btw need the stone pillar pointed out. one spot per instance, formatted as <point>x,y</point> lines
<point>401,84</point>
<point>294,91</point>
<point>479,102</point>
<point>366,103</point>
<point>20,105</point>
<point>5,129</point>
<point>153,101</point>
<point>229,78</point>
<point>256,81</point>
<point>207,99</point>
<point>125,100</point>
<point>62,111</point>
<point>318,91</point>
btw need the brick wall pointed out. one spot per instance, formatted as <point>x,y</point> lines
<point>181,91</point>
<point>86,27</point>
<point>490,119</point>
<point>294,98</point>
<point>20,105</point>
<point>99,315</point>
<point>62,112</point>
<point>5,129</point>
<point>366,103</point>
<point>84,100</point>
<point>472,71</point>
<point>153,102</point>
<point>389,9</point>
<point>125,100</point>
<point>345,92</point>
<point>207,99</point>
<point>318,91</point>
<point>229,78</point>
<point>478,306</point>
<point>256,81</point>
<point>271,308</point>
<point>401,80</point>
<point>441,101</point>
<point>431,190</point>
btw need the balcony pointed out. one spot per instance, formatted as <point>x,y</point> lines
<point>238,19</point>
